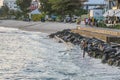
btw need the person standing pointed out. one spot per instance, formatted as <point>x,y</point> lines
<point>92,23</point>
<point>86,21</point>
<point>84,46</point>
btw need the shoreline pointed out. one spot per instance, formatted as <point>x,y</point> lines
<point>46,27</point>
<point>95,48</point>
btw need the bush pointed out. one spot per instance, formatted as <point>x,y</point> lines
<point>38,17</point>
<point>102,24</point>
<point>117,26</point>
<point>59,18</point>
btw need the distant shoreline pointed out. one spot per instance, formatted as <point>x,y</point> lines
<point>45,27</point>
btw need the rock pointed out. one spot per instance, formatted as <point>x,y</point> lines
<point>95,48</point>
<point>104,58</point>
<point>111,61</point>
<point>117,63</point>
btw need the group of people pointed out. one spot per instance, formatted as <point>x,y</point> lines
<point>91,21</point>
<point>88,21</point>
<point>112,20</point>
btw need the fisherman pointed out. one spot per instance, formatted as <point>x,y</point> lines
<point>84,46</point>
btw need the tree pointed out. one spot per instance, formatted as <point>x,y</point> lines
<point>24,5</point>
<point>46,6</point>
<point>66,6</point>
<point>16,14</point>
<point>80,12</point>
<point>4,10</point>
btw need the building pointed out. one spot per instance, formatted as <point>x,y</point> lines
<point>112,7</point>
<point>113,11</point>
<point>35,4</point>
<point>1,3</point>
<point>112,4</point>
<point>91,5</point>
<point>11,4</point>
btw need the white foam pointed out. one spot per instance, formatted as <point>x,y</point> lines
<point>33,56</point>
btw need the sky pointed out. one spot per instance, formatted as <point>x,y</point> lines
<point>96,1</point>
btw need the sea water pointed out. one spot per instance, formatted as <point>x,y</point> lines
<point>34,56</point>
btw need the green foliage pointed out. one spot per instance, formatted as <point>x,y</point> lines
<point>38,17</point>
<point>117,26</point>
<point>4,11</point>
<point>80,12</point>
<point>11,12</point>
<point>65,6</point>
<point>18,14</point>
<point>45,6</point>
<point>59,18</point>
<point>102,24</point>
<point>24,5</point>
<point>61,7</point>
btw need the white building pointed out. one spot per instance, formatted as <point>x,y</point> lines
<point>1,3</point>
<point>11,4</point>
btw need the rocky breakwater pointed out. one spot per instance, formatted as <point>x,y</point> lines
<point>108,53</point>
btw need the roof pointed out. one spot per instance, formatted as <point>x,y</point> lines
<point>36,11</point>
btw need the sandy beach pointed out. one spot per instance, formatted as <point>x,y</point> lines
<point>46,27</point>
